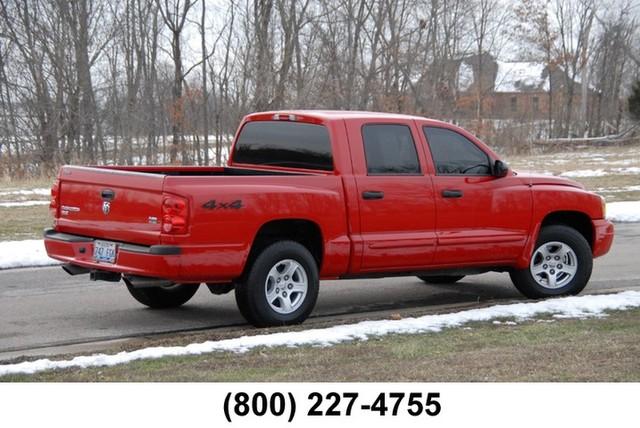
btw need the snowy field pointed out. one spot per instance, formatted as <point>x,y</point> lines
<point>17,197</point>
<point>566,307</point>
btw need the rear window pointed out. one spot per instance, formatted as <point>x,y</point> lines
<point>287,144</point>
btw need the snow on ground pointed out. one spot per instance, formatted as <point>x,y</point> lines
<point>617,189</point>
<point>566,307</point>
<point>41,191</point>
<point>624,212</point>
<point>585,173</point>
<point>601,172</point>
<point>10,198</point>
<point>31,252</point>
<point>22,203</point>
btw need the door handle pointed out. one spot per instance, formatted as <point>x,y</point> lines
<point>372,194</point>
<point>108,194</point>
<point>451,193</point>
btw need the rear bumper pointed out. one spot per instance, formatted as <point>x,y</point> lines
<point>172,262</point>
<point>155,261</point>
<point>603,231</point>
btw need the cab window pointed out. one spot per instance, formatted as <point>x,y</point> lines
<point>286,144</point>
<point>389,149</point>
<point>454,154</point>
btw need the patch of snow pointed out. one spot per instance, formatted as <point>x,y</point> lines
<point>622,162</point>
<point>27,253</point>
<point>496,322</point>
<point>630,170</point>
<point>624,212</point>
<point>573,307</point>
<point>22,204</point>
<point>618,189</point>
<point>27,192</point>
<point>601,172</point>
<point>585,173</point>
<point>465,76</point>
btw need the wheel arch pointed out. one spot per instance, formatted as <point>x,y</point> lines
<point>577,220</point>
<point>303,231</point>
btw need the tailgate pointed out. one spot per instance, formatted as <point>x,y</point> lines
<point>106,203</point>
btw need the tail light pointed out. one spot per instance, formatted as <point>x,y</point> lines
<point>175,214</point>
<point>55,199</point>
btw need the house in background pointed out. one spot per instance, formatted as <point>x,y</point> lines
<point>522,91</point>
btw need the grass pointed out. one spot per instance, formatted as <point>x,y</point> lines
<point>8,183</point>
<point>606,349</point>
<point>19,223</point>
<point>612,186</point>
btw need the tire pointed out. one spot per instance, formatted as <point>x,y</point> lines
<point>163,297</point>
<point>441,279</point>
<point>265,296</point>
<point>561,264</point>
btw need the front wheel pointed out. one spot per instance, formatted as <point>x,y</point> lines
<point>281,287</point>
<point>170,296</point>
<point>561,264</point>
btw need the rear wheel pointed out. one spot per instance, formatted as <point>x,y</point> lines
<point>441,279</point>
<point>170,296</point>
<point>281,287</point>
<point>561,264</point>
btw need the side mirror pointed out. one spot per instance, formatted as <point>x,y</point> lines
<point>500,169</point>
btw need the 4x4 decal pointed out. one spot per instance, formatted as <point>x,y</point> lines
<point>215,205</point>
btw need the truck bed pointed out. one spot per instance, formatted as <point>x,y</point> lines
<point>226,207</point>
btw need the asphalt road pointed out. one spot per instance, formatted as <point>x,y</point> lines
<point>43,307</point>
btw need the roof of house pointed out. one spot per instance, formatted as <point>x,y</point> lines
<point>510,76</point>
<point>521,77</point>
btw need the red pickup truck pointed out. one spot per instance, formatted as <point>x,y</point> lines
<point>310,195</point>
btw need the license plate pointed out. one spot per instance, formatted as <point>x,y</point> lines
<point>104,251</point>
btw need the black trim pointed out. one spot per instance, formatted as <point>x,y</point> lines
<point>133,248</point>
<point>66,237</point>
<point>450,271</point>
<point>165,250</point>
<point>155,250</point>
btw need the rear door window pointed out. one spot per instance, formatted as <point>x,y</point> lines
<point>454,154</point>
<point>286,144</point>
<point>389,149</point>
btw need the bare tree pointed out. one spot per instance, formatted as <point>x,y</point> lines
<point>262,12</point>
<point>575,19</point>
<point>174,14</point>
<point>487,18</point>
<point>205,94</point>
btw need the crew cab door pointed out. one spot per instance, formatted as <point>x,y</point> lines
<point>480,219</point>
<point>395,196</point>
